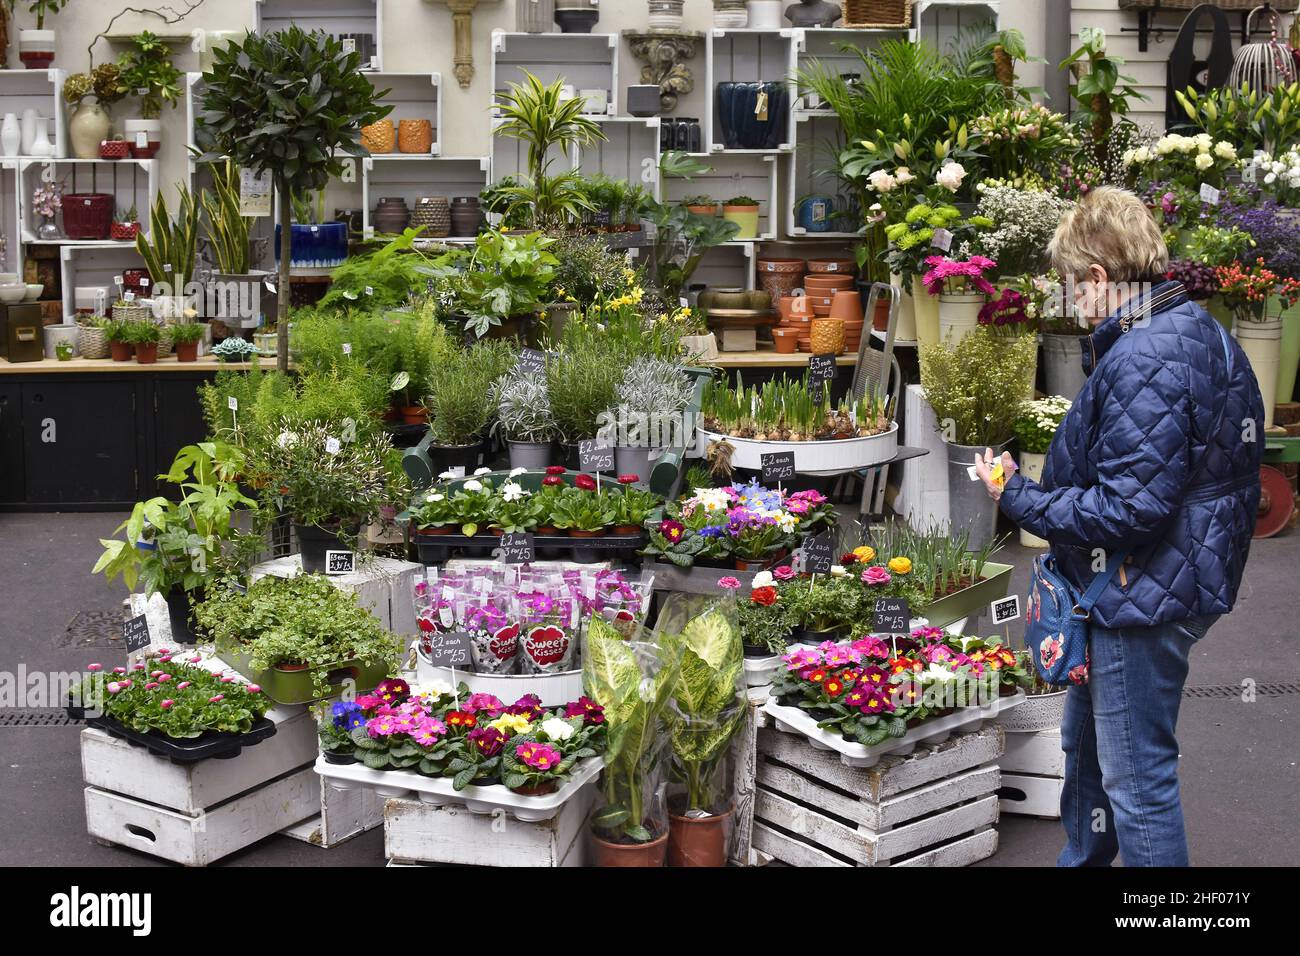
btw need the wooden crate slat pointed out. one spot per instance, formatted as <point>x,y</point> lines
<point>789,850</point>
<point>1042,795</point>
<point>1035,753</point>
<point>343,815</point>
<point>831,834</point>
<point>794,785</point>
<point>964,852</point>
<point>940,828</point>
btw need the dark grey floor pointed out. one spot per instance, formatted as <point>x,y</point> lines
<point>1240,775</point>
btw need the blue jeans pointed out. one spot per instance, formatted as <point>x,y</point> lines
<point>1121,754</point>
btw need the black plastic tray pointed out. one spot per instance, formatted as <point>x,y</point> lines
<point>212,744</point>
<point>439,548</point>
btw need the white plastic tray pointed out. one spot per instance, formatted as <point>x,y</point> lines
<point>438,791</point>
<point>759,671</point>
<point>792,720</point>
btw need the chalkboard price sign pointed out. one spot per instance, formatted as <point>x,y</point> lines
<point>135,633</point>
<point>531,362</point>
<point>517,548</point>
<point>450,650</point>
<point>822,370</point>
<point>818,557</point>
<point>340,562</point>
<point>594,455</point>
<point>777,466</point>
<point>1006,609</point>
<point>893,616</point>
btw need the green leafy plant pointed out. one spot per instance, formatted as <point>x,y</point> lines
<point>142,333</point>
<point>292,103</point>
<point>580,510</point>
<point>633,505</point>
<point>1104,95</point>
<point>184,332</point>
<point>227,230</point>
<point>147,71</point>
<point>192,701</point>
<point>1038,422</point>
<point>974,386</point>
<point>633,684</point>
<point>503,276</point>
<point>171,244</point>
<point>681,237</point>
<point>461,396</point>
<point>41,9</point>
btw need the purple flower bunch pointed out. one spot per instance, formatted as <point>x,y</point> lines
<point>1272,226</point>
<point>1198,278</point>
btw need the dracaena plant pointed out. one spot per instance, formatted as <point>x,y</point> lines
<point>702,634</point>
<point>633,683</point>
<point>293,103</point>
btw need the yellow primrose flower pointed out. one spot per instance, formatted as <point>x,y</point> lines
<point>511,724</point>
<point>900,565</point>
<point>864,553</point>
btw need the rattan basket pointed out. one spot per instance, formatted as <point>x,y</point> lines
<point>860,14</point>
<point>131,312</point>
<point>165,341</point>
<point>92,341</point>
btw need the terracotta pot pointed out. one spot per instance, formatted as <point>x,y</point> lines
<point>827,336</point>
<point>827,283</point>
<point>831,266</point>
<point>880,321</point>
<point>604,853</point>
<point>414,135</point>
<point>805,343</point>
<point>698,841</point>
<point>847,306</point>
<point>121,351</point>
<point>780,277</point>
<point>440,529</point>
<point>821,305</point>
<point>186,351</point>
<point>146,353</point>
<point>627,529</point>
<point>787,340</point>
<point>414,414</point>
<point>703,210</point>
<point>575,533</point>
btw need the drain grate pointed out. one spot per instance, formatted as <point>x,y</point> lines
<point>94,629</point>
<point>1233,691</point>
<point>36,717</point>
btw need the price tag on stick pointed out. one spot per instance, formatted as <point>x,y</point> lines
<point>893,616</point>
<point>777,466</point>
<point>340,562</point>
<point>451,649</point>
<point>1005,610</point>
<point>517,548</point>
<point>595,456</point>
<point>530,362</point>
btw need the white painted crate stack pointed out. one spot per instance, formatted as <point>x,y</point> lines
<point>936,806</point>
<point>1033,767</point>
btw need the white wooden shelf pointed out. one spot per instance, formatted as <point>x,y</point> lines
<point>586,61</point>
<point>412,96</point>
<point>448,176</point>
<point>335,17</point>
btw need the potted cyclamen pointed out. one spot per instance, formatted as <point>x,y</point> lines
<point>962,289</point>
<point>1035,429</point>
<point>36,47</point>
<point>525,421</point>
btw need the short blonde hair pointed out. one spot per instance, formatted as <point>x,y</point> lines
<point>1114,229</point>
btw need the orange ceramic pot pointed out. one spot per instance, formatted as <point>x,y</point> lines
<point>827,283</point>
<point>825,266</point>
<point>786,339</point>
<point>379,137</point>
<point>847,305</point>
<point>821,305</point>
<point>415,135</point>
<point>827,336</point>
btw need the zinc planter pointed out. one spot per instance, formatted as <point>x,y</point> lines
<point>1262,343</point>
<point>926,309</point>
<point>814,457</point>
<point>1039,712</point>
<point>634,460</point>
<point>700,348</point>
<point>969,504</point>
<point>535,456</point>
<point>959,315</point>
<point>1063,364</point>
<point>1031,465</point>
<point>971,600</point>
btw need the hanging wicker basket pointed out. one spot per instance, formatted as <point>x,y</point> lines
<point>861,14</point>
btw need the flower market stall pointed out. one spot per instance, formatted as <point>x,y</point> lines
<point>535,493</point>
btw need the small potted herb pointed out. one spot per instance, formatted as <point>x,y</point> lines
<point>144,337</point>
<point>743,211</point>
<point>118,346</point>
<point>185,340</point>
<point>125,226</point>
<point>435,514</point>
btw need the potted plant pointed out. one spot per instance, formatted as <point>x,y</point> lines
<point>1249,291</point>
<point>460,403</point>
<point>583,512</point>
<point>91,94</point>
<point>126,226</point>
<point>36,47</point>
<point>743,211</point>
<point>176,548</point>
<point>701,205</point>
<point>144,336</point>
<point>300,638</point>
<point>264,105</point>
<point>525,421</point>
<point>648,411</point>
<point>334,730</point>
<point>632,505</point>
<point>116,332</point>
<point>498,285</point>
<point>185,340</point>
<point>169,251</point>
<point>633,683</point>
<point>516,510</point>
<point>234,290</point>
<point>975,387</point>
<point>234,349</point>
<point>681,237</point>
<point>1035,429</point>
<point>962,289</point>
<point>147,71</point>
<point>702,634</point>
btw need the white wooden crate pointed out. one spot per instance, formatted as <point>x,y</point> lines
<point>343,815</point>
<point>417,832</point>
<point>934,807</point>
<point>201,838</point>
<point>382,586</point>
<point>1033,774</point>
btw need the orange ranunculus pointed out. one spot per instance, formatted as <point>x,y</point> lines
<point>864,553</point>
<point>765,596</point>
<point>900,565</point>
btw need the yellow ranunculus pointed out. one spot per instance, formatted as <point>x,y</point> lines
<point>900,565</point>
<point>864,553</point>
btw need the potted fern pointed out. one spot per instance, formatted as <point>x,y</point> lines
<point>524,420</point>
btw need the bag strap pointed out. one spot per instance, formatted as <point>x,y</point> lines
<point>1083,610</point>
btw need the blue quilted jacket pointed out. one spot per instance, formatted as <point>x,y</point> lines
<point>1134,465</point>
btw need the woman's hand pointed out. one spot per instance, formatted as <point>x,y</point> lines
<point>989,472</point>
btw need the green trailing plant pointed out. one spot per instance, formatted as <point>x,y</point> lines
<point>633,684</point>
<point>170,246</point>
<point>227,230</point>
<point>292,103</point>
<point>304,620</point>
<point>708,703</point>
<point>975,385</point>
<point>147,70</point>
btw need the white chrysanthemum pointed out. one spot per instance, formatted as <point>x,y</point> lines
<point>473,485</point>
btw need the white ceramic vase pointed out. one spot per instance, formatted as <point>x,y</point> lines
<point>1262,343</point>
<point>11,135</point>
<point>959,316</point>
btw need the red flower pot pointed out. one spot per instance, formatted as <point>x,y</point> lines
<point>87,215</point>
<point>186,351</point>
<point>114,149</point>
<point>124,231</point>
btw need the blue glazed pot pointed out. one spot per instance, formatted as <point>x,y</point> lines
<point>735,105</point>
<point>815,214</point>
<point>321,246</point>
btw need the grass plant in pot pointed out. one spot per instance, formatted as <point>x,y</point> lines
<point>582,382</point>
<point>169,251</point>
<point>119,346</point>
<point>1035,429</point>
<point>185,340</point>
<point>975,387</point>
<point>524,419</point>
<point>329,481</point>
<point>175,548</point>
<point>293,103</point>
<point>701,633</point>
<point>144,337</point>
<point>633,682</point>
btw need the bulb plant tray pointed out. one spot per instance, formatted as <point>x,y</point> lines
<point>834,457</point>
<point>297,687</point>
<point>971,600</point>
<point>211,744</point>
<point>438,791</point>
<point>793,720</point>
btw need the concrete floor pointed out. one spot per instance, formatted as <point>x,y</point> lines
<point>1239,759</point>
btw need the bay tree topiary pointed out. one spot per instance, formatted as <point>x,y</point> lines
<point>293,103</point>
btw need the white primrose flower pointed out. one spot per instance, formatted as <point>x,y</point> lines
<point>473,485</point>
<point>447,475</point>
<point>431,498</point>
<point>557,729</point>
<point>516,472</point>
<point>513,491</point>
